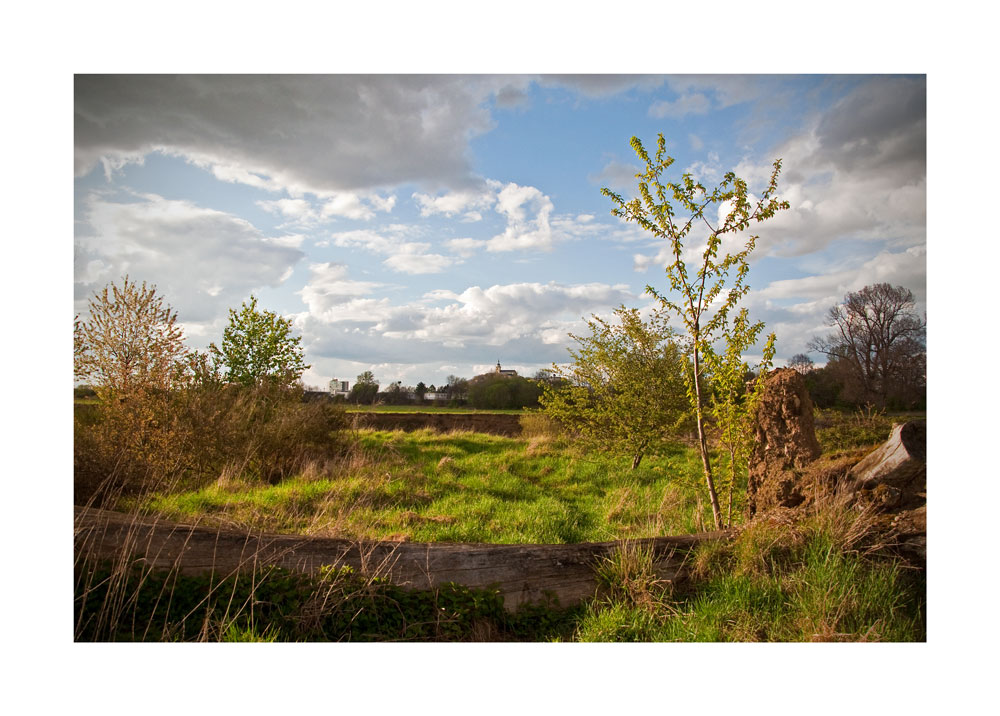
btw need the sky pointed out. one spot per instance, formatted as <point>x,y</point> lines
<point>421,226</point>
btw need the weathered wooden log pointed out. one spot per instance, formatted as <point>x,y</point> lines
<point>523,573</point>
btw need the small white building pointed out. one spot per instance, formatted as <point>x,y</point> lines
<point>339,387</point>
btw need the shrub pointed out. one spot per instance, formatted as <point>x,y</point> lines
<point>184,438</point>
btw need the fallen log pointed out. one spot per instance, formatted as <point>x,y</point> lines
<point>523,573</point>
<point>899,464</point>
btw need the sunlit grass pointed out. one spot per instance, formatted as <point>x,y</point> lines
<point>807,582</point>
<point>458,487</point>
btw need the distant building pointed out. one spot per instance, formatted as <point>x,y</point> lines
<point>501,371</point>
<point>339,387</point>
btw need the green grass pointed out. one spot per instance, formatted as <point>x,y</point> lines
<point>458,487</point>
<point>770,584</point>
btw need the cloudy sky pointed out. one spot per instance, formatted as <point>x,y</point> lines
<point>421,226</point>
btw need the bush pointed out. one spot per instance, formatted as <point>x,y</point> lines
<point>185,438</point>
<point>491,391</point>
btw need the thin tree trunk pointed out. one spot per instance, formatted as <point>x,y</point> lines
<point>636,460</point>
<point>703,447</point>
<point>732,484</point>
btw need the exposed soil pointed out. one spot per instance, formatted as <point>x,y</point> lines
<point>785,443</point>
<point>494,424</point>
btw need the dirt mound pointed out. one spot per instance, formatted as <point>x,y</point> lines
<point>785,443</point>
<point>493,424</point>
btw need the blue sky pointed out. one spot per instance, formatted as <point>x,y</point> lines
<point>422,226</point>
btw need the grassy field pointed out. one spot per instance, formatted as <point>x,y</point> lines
<point>459,487</point>
<point>822,578</point>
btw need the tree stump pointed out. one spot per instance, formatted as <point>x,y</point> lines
<point>896,472</point>
<point>785,443</point>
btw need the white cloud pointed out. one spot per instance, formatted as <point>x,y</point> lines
<point>202,261</point>
<point>410,257</point>
<point>526,210</point>
<point>294,209</point>
<point>353,206</point>
<point>467,203</point>
<point>465,247</point>
<point>905,268</point>
<point>523,232</point>
<point>529,320</point>
<point>350,205</point>
<point>413,259</point>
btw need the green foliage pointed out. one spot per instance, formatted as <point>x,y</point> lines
<point>365,389</point>
<point>703,304</point>
<point>492,391</point>
<point>258,346</point>
<point>733,401</point>
<point>624,391</point>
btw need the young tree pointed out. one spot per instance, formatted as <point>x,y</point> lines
<point>734,399</point>
<point>702,306</point>
<point>624,390</point>
<point>880,339</point>
<point>131,340</point>
<point>258,346</point>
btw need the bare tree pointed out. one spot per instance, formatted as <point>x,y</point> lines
<point>800,363</point>
<point>880,339</point>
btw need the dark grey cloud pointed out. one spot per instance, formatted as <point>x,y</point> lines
<point>881,126</point>
<point>315,133</point>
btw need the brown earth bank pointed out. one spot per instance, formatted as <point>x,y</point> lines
<point>494,424</point>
